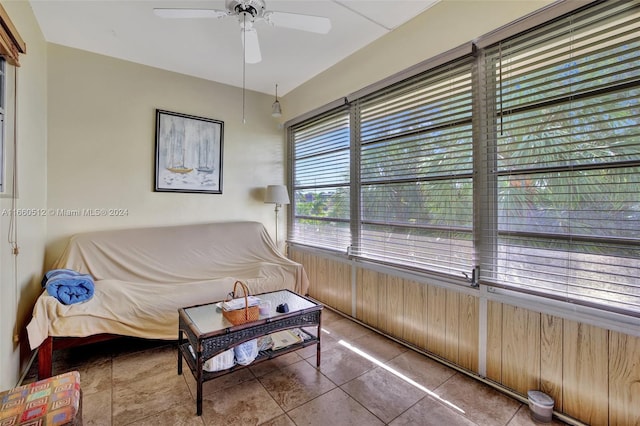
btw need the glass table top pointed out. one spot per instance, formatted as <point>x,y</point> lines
<point>208,318</point>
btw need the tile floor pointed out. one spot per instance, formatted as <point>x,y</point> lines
<point>364,379</point>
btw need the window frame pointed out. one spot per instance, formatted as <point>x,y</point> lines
<point>485,184</point>
<point>329,121</point>
<point>491,230</point>
<point>3,117</point>
<point>433,83</point>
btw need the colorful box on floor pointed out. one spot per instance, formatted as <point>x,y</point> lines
<point>49,402</point>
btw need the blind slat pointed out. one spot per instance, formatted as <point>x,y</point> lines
<point>416,139</point>
<point>565,168</point>
<point>321,176</point>
<point>551,203</point>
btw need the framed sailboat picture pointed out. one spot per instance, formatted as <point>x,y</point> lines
<point>188,153</point>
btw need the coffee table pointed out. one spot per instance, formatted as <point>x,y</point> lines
<point>209,333</point>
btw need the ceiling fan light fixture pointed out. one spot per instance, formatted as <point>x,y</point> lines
<point>276,109</point>
<point>247,13</point>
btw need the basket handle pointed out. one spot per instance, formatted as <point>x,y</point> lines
<point>245,290</point>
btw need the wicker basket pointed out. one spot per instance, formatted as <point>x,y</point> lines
<point>241,316</point>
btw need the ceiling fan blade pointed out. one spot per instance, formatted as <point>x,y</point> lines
<point>251,45</point>
<point>314,24</point>
<point>190,13</point>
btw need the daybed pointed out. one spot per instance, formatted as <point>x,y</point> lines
<point>142,276</point>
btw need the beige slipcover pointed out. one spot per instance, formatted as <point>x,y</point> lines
<point>142,276</point>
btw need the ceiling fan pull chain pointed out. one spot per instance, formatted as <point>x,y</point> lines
<point>244,63</point>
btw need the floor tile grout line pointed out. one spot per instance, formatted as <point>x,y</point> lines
<point>408,408</point>
<point>426,395</point>
<point>331,390</point>
<point>336,386</point>
<point>116,355</point>
<point>272,397</point>
<point>359,403</point>
<point>515,414</point>
<point>133,355</point>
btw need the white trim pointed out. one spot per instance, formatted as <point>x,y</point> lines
<point>460,285</point>
<point>483,316</point>
<point>597,317</point>
<point>333,255</point>
<point>354,290</point>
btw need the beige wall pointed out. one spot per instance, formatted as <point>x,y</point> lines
<point>100,114</point>
<point>20,275</point>
<point>447,25</point>
<point>102,146</point>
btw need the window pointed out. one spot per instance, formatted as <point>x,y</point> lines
<point>566,139</point>
<point>522,160</point>
<point>416,172</point>
<point>321,181</point>
<point>11,46</point>
<point>3,153</point>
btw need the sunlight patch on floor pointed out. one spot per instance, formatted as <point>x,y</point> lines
<point>399,375</point>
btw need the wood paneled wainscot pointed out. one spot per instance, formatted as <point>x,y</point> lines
<point>592,373</point>
<point>438,320</point>
<point>441,321</point>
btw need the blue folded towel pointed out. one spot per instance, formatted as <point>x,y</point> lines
<point>69,286</point>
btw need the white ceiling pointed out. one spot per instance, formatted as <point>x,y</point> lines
<point>212,48</point>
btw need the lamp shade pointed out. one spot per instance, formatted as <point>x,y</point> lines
<point>276,194</point>
<point>276,109</point>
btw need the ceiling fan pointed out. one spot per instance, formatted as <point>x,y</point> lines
<point>248,12</point>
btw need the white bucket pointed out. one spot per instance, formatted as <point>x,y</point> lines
<point>541,406</point>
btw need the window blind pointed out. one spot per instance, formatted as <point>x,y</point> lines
<point>564,159</point>
<point>416,171</point>
<point>321,175</point>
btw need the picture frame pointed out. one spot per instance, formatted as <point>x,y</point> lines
<point>188,153</point>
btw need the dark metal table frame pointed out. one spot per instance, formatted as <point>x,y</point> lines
<point>209,344</point>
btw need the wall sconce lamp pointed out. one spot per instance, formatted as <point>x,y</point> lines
<point>276,109</point>
<point>278,195</point>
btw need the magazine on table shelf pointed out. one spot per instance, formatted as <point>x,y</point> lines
<point>284,338</point>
